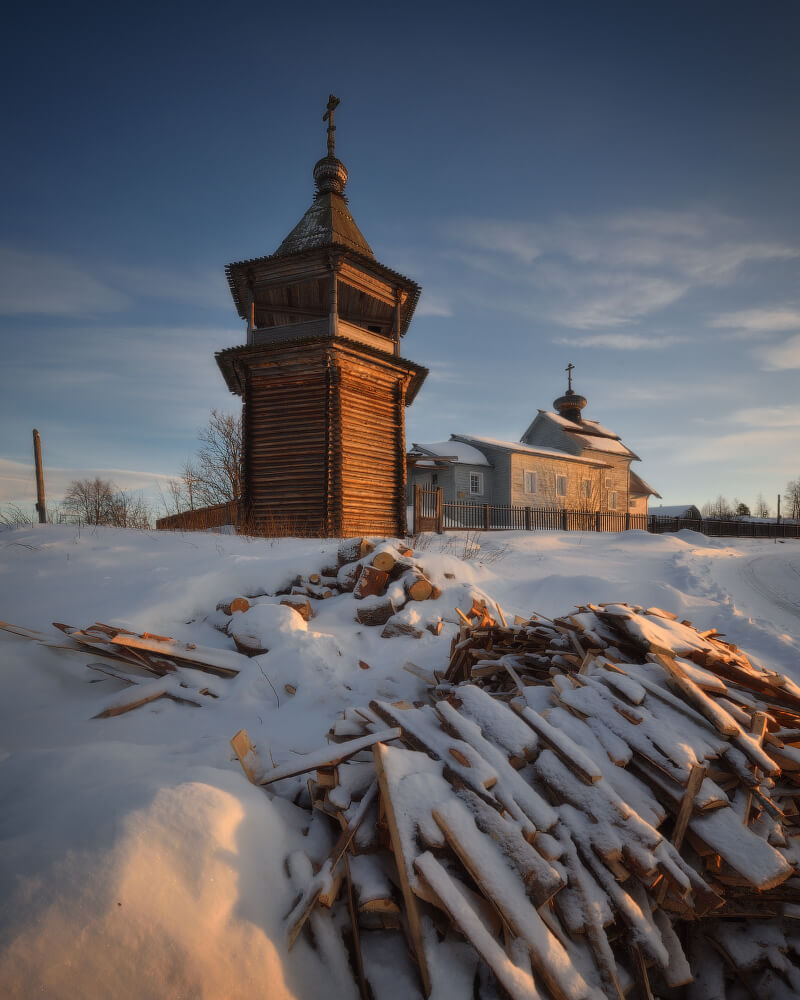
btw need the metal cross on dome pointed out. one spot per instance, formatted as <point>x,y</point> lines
<point>333,104</point>
<point>568,370</point>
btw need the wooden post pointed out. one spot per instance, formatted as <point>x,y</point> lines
<point>627,520</point>
<point>251,317</point>
<point>417,503</point>
<point>487,517</point>
<point>597,520</point>
<point>563,518</point>
<point>334,316</point>
<point>37,458</point>
<point>396,332</point>
<point>439,510</point>
<point>527,519</point>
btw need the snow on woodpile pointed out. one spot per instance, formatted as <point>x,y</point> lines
<point>598,805</point>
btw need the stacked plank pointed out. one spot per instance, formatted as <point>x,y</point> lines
<point>603,804</point>
<point>135,659</point>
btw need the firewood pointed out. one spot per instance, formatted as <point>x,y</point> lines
<point>348,576</point>
<point>371,583</point>
<point>435,627</point>
<point>352,549</point>
<point>227,608</point>
<point>384,560</point>
<point>375,614</point>
<point>392,630</point>
<point>301,605</point>
<point>417,586</point>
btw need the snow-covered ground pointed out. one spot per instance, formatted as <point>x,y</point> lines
<point>136,861</point>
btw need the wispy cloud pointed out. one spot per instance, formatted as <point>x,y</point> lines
<point>781,356</point>
<point>622,341</point>
<point>768,416</point>
<point>18,481</point>
<point>606,271</point>
<point>433,304</point>
<point>747,322</point>
<point>51,285</point>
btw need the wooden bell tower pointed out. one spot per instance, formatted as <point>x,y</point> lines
<point>321,377</point>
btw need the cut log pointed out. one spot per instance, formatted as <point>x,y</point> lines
<point>416,585</point>
<point>352,549</point>
<point>435,627</point>
<point>371,583</point>
<point>384,560</point>
<point>375,614</point>
<point>237,604</point>
<point>393,630</point>
<point>301,605</point>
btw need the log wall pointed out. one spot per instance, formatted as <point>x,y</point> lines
<point>324,441</point>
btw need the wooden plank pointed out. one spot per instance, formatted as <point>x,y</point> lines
<point>403,869</point>
<point>518,984</point>
<point>335,753</point>
<point>247,756</point>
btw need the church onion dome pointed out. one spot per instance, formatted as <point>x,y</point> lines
<point>330,175</point>
<point>569,406</point>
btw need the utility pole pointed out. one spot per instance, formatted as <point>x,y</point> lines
<point>37,457</point>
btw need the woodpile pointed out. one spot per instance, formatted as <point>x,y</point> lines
<point>382,577</point>
<point>600,805</point>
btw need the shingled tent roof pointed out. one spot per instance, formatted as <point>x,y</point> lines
<point>327,222</point>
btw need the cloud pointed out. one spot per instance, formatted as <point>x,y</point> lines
<point>18,481</point>
<point>602,271</point>
<point>781,356</point>
<point>768,416</point>
<point>432,304</point>
<point>208,289</point>
<point>622,341</point>
<point>51,285</point>
<point>748,321</point>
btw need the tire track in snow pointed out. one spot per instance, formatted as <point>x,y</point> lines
<point>781,571</point>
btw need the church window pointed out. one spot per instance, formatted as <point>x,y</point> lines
<point>561,486</point>
<point>586,489</point>
<point>476,483</point>
<point>530,482</point>
<point>612,501</point>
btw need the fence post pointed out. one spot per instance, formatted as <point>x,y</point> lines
<point>487,517</point>
<point>527,519</point>
<point>563,518</point>
<point>627,520</point>
<point>417,501</point>
<point>439,510</point>
<point>597,520</point>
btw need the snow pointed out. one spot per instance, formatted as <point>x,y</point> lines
<point>138,837</point>
<point>527,449</point>
<point>464,454</point>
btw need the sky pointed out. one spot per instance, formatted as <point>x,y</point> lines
<point>608,184</point>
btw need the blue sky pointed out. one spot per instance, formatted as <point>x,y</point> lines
<point>609,184</point>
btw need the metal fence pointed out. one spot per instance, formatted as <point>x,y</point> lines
<point>433,513</point>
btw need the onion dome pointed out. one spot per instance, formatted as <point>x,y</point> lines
<point>569,406</point>
<point>330,175</point>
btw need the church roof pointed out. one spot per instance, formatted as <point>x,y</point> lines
<point>639,486</point>
<point>589,434</point>
<point>527,449</point>
<point>327,223</point>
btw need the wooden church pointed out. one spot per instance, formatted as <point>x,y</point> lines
<point>323,384</point>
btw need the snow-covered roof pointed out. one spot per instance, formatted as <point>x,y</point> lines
<point>586,426</point>
<point>527,449</point>
<point>638,485</point>
<point>676,510</point>
<point>464,454</point>
<point>613,446</point>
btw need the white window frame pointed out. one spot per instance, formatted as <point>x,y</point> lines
<point>586,489</point>
<point>613,500</point>
<point>476,484</point>
<point>530,476</point>
<point>561,481</point>
<point>608,483</point>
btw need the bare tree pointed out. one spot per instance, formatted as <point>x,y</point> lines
<point>762,508</point>
<point>719,509</point>
<point>791,498</point>
<point>214,475</point>
<point>98,501</point>
<point>15,516</point>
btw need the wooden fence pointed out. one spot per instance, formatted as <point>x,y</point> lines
<point>433,513</point>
